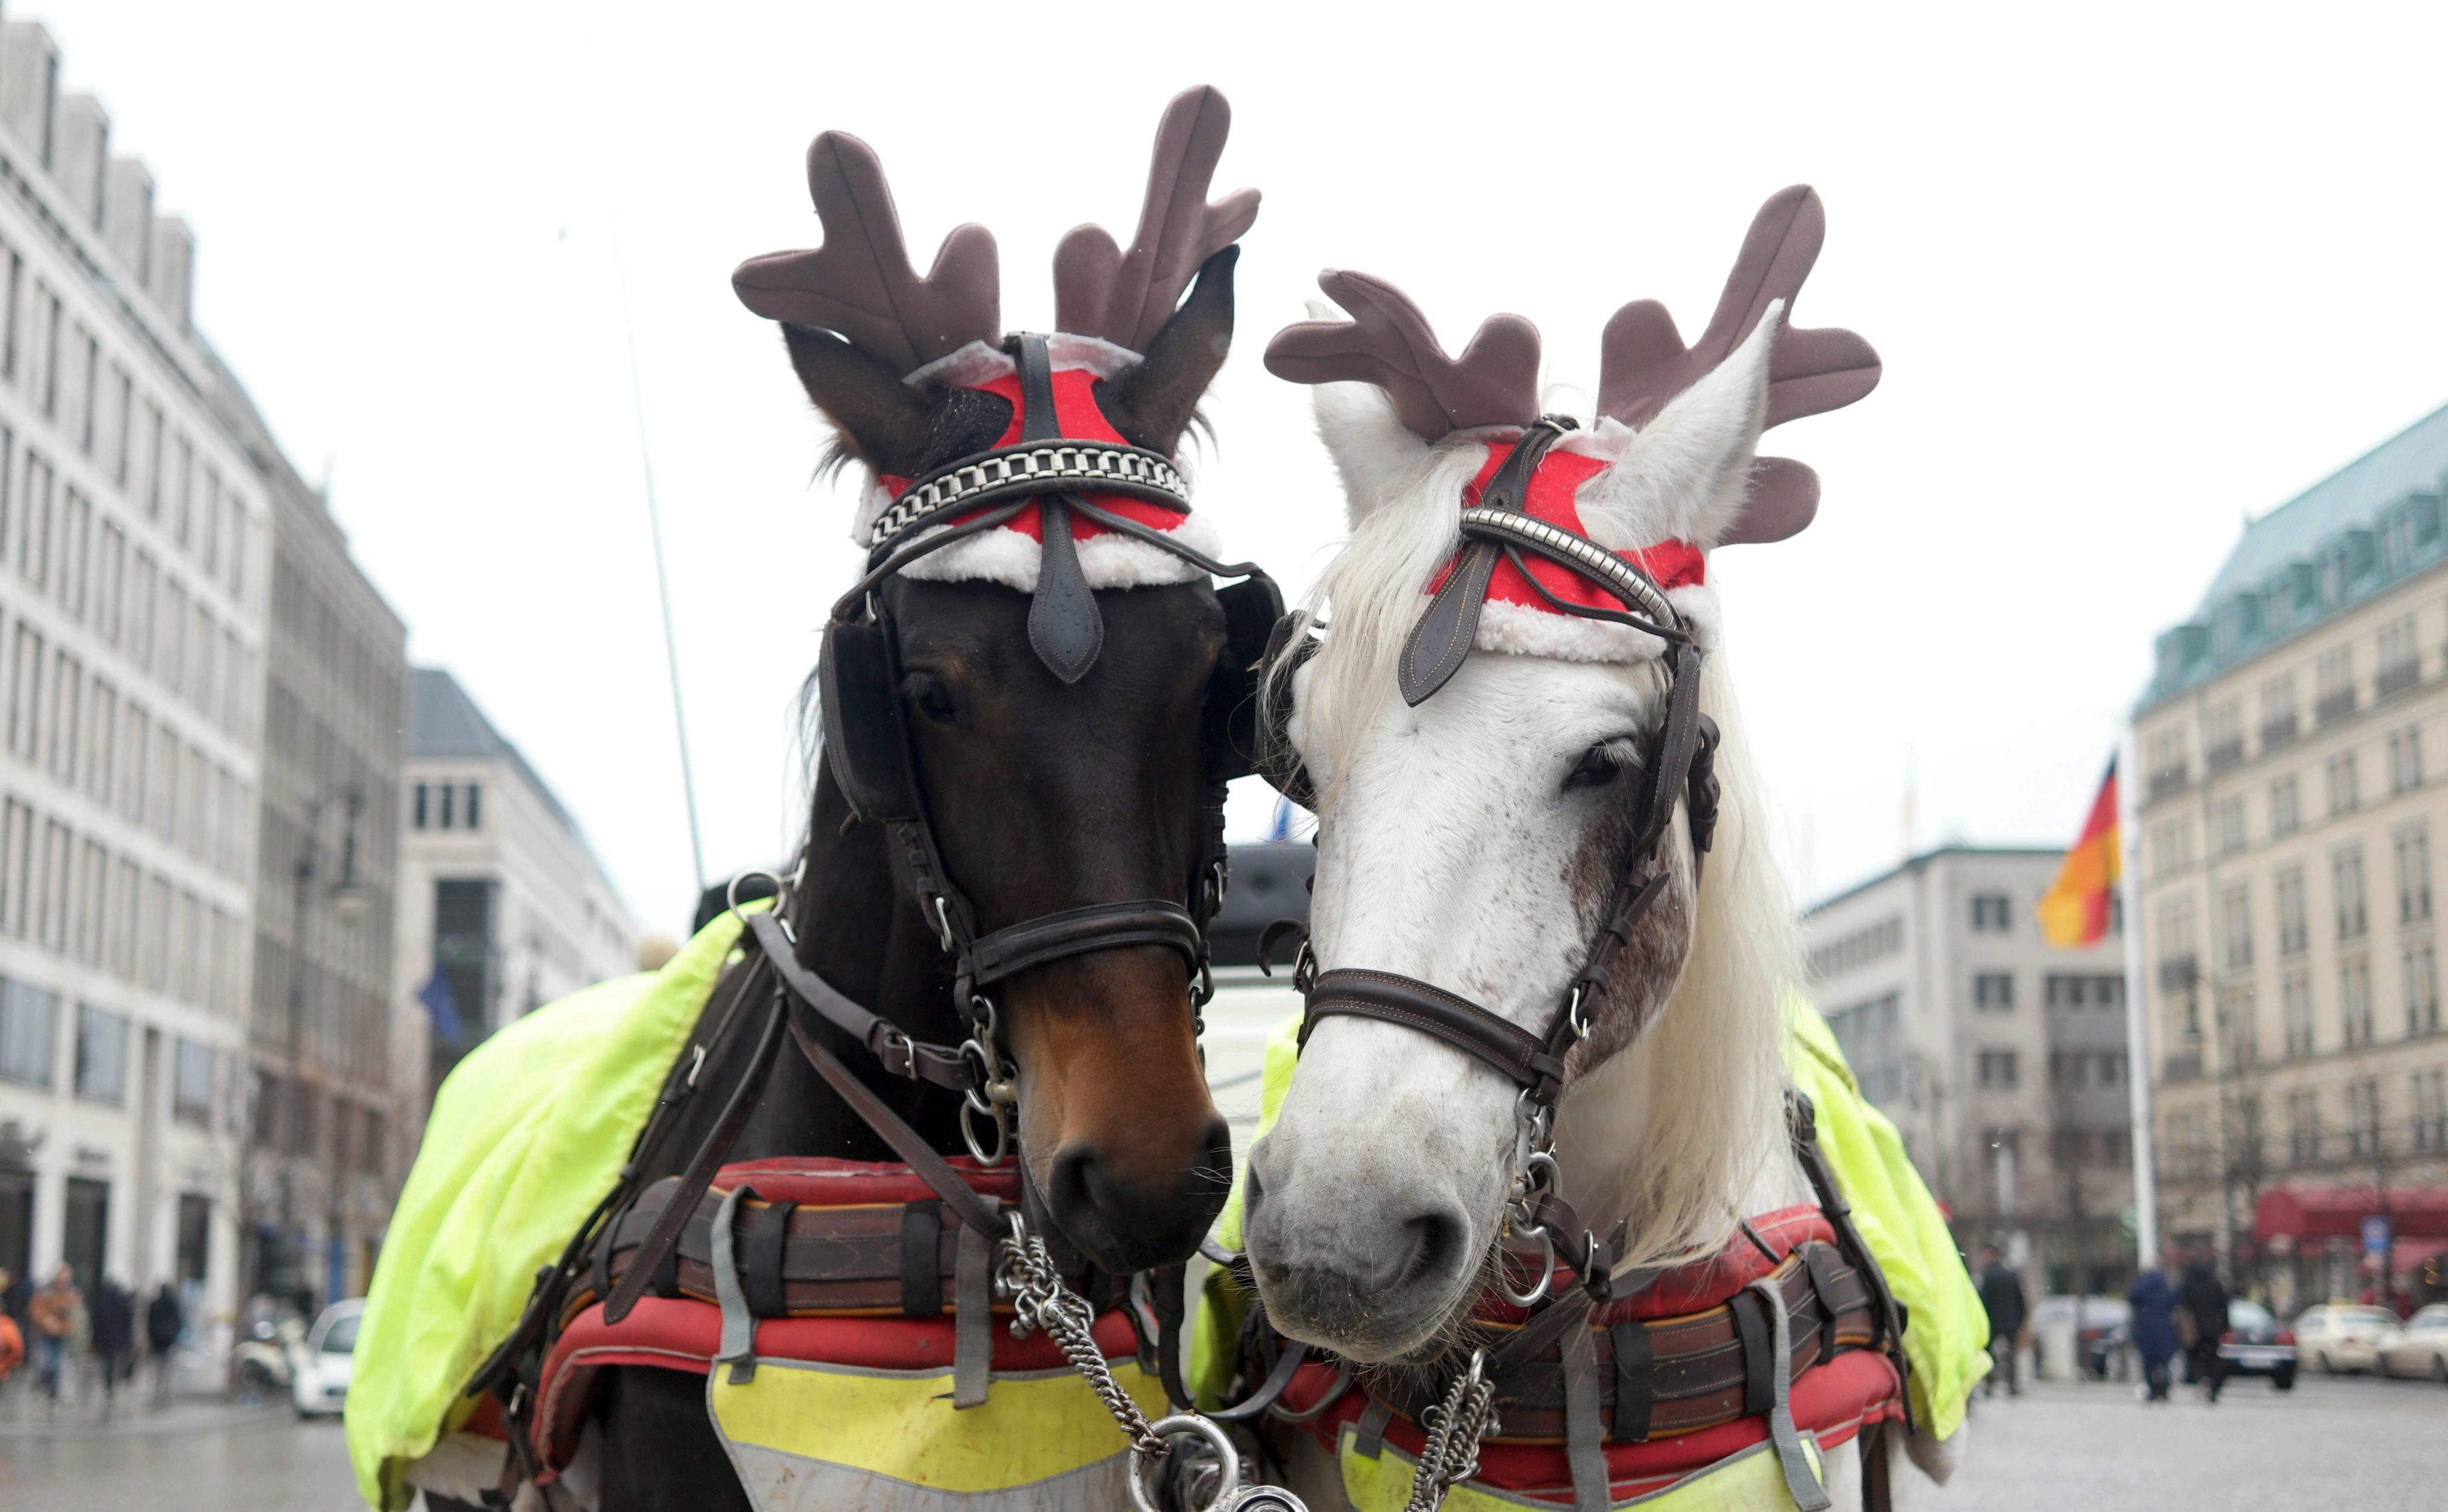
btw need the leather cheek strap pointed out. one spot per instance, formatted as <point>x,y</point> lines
<point>1520,1056</point>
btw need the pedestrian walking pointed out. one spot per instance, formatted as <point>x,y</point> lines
<point>2152,1298</point>
<point>2202,1324</point>
<point>113,1321</point>
<point>2001,1297</point>
<point>53,1313</point>
<point>13,1338</point>
<point>165,1320</point>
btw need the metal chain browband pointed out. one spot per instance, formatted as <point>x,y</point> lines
<point>1027,469</point>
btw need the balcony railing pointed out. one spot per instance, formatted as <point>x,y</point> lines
<point>2334,706</point>
<point>2398,676</point>
<point>2226,753</point>
<point>2280,730</point>
<point>2167,780</point>
<point>2184,1067</point>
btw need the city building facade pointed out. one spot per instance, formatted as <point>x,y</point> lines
<point>2000,1059</point>
<point>329,1147</point>
<point>2291,742</point>
<point>502,906</point>
<point>134,524</point>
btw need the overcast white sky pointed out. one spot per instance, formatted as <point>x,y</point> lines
<point>2136,276</point>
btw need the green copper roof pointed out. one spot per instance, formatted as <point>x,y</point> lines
<point>2363,529</point>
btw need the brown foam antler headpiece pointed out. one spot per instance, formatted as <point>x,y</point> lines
<point>861,284</point>
<point>1126,297</point>
<point>1387,342</point>
<point>1644,363</point>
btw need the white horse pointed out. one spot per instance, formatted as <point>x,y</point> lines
<point>1472,841</point>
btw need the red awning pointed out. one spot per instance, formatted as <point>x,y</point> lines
<point>2338,1213</point>
<point>2408,1253</point>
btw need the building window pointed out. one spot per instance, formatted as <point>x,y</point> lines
<point>2174,844</point>
<point>2293,925</point>
<point>29,1025</point>
<point>2363,1118</point>
<point>2223,734</point>
<point>2346,792</point>
<point>2235,923</point>
<point>1859,948</point>
<point>1998,1071</point>
<point>2333,682</point>
<point>2061,990</point>
<point>475,798</point>
<point>2421,991</point>
<point>1992,991</point>
<point>2303,1127</point>
<point>2230,826</point>
<point>100,1054</point>
<point>2347,881</point>
<point>2278,719</point>
<point>191,1085</point>
<point>2285,811</point>
<point>416,807</point>
<point>1990,913</point>
<point>2412,873</point>
<point>2354,1002</point>
<point>2430,1090</point>
<point>2295,1010</point>
<point>2405,758</point>
<point>445,792</point>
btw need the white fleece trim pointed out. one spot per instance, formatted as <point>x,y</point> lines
<point>977,363</point>
<point>1108,560</point>
<point>1521,629</point>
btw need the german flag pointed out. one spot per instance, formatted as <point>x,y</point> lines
<point>2074,911</point>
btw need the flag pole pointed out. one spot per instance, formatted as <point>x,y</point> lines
<point>2137,1041</point>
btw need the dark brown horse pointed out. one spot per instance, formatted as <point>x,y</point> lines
<point>1055,774</point>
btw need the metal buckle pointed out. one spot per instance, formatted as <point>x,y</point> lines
<point>1226,1493</point>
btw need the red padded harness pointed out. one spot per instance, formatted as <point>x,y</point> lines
<point>1833,1400</point>
<point>683,1333</point>
<point>1552,497</point>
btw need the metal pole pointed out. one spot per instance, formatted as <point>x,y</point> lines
<point>304,874</point>
<point>663,580</point>
<point>2137,1039</point>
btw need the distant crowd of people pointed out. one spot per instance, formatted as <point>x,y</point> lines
<point>2179,1307</point>
<point>61,1333</point>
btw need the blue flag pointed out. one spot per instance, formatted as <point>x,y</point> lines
<point>440,1006</point>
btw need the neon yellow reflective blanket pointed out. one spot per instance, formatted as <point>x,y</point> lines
<point>526,1135</point>
<point>1947,1335</point>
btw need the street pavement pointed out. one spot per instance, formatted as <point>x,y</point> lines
<point>2345,1442</point>
<point>2360,1444</point>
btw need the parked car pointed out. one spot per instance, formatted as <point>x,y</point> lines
<point>2422,1347</point>
<point>2255,1345</point>
<point>2340,1336</point>
<point>2097,1336</point>
<point>319,1383</point>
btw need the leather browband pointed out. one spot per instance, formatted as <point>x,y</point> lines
<point>1514,1051</point>
<point>1027,468</point>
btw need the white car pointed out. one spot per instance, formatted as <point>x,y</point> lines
<point>319,1382</point>
<point>2342,1337</point>
<point>2423,1349</point>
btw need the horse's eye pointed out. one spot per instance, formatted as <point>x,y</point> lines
<point>1599,765</point>
<point>933,696</point>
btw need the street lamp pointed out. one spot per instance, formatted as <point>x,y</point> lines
<point>349,900</point>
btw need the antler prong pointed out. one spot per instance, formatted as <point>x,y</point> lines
<point>1389,342</point>
<point>1126,297</point>
<point>861,284</point>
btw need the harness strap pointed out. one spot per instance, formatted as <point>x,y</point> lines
<point>738,1347</point>
<point>1443,634</point>
<point>769,1228</point>
<point>1076,931</point>
<point>922,1239</point>
<point>906,1141</point>
<point>1515,1052</point>
<point>699,1174</point>
<point>941,1065</point>
<point>1800,1483</point>
<point>1635,1381</point>
<point>1584,1440</point>
<point>972,1318</point>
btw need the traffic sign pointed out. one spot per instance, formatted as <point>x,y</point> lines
<point>2376,1235</point>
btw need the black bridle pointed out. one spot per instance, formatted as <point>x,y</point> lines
<point>867,748</point>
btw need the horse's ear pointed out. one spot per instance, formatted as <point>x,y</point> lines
<point>1378,456</point>
<point>883,421</point>
<point>1686,475</point>
<point>1152,402</point>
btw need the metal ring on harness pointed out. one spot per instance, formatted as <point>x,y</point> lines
<point>1228,1471</point>
<point>1002,1139</point>
<point>1546,1274</point>
<point>730,889</point>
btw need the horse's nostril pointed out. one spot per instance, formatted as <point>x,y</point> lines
<point>1436,1238</point>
